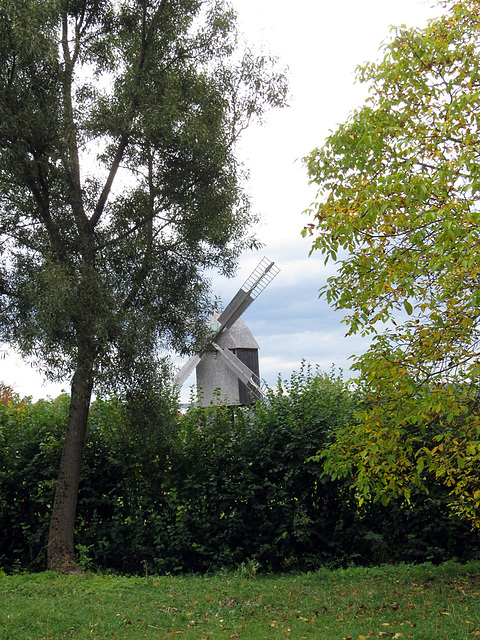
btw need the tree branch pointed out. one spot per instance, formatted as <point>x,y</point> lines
<point>72,161</point>
<point>125,139</point>
<point>143,271</point>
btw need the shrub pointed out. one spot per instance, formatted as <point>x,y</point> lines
<point>31,438</point>
<point>240,486</point>
<point>218,488</point>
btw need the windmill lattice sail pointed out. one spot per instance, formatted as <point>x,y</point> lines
<point>253,286</point>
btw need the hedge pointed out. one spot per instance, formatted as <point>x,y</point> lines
<point>210,490</point>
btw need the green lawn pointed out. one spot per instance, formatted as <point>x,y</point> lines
<point>419,602</point>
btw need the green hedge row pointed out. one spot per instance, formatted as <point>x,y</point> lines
<point>209,490</point>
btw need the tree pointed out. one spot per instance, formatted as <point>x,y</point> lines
<point>119,187</point>
<point>398,209</point>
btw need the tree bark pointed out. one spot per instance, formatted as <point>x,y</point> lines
<point>61,552</point>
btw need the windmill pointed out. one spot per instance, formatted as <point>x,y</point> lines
<point>228,372</point>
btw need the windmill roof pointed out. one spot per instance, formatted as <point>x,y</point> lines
<point>238,336</point>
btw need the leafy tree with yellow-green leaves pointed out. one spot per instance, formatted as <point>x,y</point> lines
<point>398,210</point>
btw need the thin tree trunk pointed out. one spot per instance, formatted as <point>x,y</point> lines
<point>61,552</point>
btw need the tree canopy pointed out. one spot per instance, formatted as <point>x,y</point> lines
<point>119,186</point>
<point>398,210</point>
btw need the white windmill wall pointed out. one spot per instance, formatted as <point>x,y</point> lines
<point>215,381</point>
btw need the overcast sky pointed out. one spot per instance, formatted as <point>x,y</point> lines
<point>321,42</point>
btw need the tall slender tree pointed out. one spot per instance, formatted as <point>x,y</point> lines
<point>119,187</point>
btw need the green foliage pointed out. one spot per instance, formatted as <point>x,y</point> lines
<point>31,439</point>
<point>218,488</point>
<point>244,488</point>
<point>398,210</point>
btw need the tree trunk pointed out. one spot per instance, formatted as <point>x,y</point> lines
<point>61,553</point>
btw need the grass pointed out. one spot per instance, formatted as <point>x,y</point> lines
<point>419,602</point>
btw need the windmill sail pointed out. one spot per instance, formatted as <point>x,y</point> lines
<point>186,370</point>
<point>253,286</point>
<point>243,373</point>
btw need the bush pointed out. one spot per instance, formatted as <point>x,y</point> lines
<point>31,439</point>
<point>240,486</point>
<point>126,465</point>
<point>217,488</point>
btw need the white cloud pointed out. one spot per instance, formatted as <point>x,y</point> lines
<point>25,379</point>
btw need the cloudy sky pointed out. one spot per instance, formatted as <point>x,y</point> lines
<point>321,42</point>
